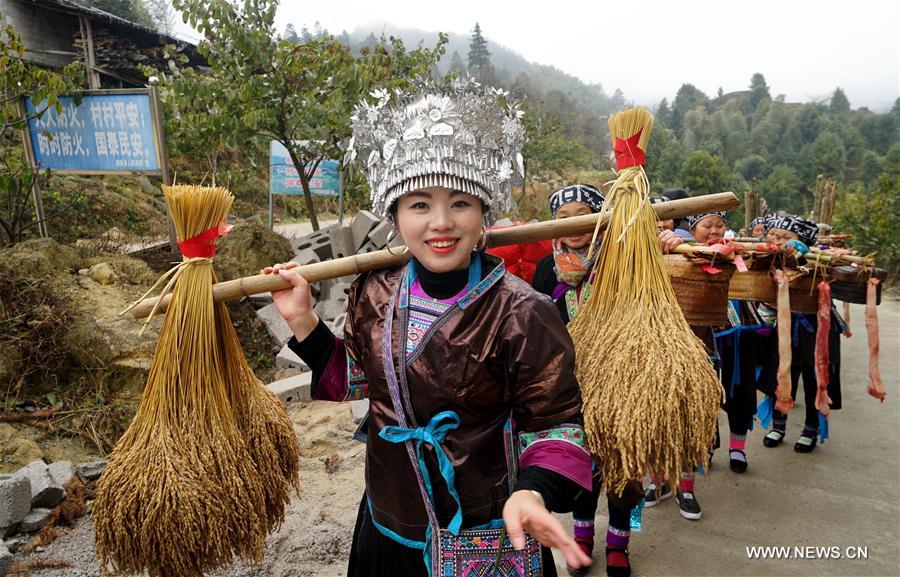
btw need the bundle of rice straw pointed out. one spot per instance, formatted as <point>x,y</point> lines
<point>650,393</point>
<point>206,465</point>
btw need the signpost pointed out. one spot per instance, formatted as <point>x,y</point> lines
<point>283,178</point>
<point>109,132</point>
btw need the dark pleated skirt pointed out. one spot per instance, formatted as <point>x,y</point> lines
<point>374,555</point>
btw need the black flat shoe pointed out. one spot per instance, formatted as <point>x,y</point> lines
<point>737,465</point>
<point>805,444</point>
<point>773,438</point>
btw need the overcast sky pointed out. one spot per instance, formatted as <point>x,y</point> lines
<point>648,48</point>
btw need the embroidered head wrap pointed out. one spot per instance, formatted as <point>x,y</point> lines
<point>803,228</point>
<point>583,193</point>
<point>694,219</point>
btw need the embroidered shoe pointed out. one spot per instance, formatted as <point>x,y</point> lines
<point>805,444</point>
<point>737,460</point>
<point>652,496</point>
<point>688,505</point>
<point>773,438</point>
<point>617,563</point>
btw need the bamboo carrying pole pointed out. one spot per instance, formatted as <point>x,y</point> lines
<point>360,263</point>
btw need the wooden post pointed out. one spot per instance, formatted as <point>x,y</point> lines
<point>156,109</point>
<point>35,184</point>
<point>87,36</point>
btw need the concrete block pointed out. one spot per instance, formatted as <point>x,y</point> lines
<point>15,502</point>
<point>321,245</point>
<point>275,324</point>
<point>61,472</point>
<point>44,492</point>
<point>288,359</point>
<point>359,409</point>
<point>331,309</point>
<point>361,225</point>
<point>6,560</point>
<point>397,241</point>
<point>366,248</point>
<point>35,520</point>
<point>293,389</point>
<point>379,235</point>
<point>306,256</point>
<point>261,300</point>
<point>91,471</point>
<point>337,325</point>
<point>342,243</point>
<point>338,290</point>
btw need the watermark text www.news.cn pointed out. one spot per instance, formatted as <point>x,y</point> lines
<point>808,552</point>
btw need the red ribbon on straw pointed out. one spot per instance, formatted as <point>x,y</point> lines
<point>203,245</point>
<point>627,151</point>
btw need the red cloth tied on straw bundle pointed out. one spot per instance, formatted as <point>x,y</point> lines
<point>627,151</point>
<point>823,316</point>
<point>203,245</point>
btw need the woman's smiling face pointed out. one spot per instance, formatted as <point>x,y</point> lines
<point>441,227</point>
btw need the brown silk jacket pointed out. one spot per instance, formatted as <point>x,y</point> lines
<point>501,350</point>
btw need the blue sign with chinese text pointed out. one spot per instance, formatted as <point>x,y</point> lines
<point>284,179</point>
<point>105,133</point>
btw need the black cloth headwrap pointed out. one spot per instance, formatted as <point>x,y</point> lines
<point>807,230</point>
<point>695,218</point>
<point>757,221</point>
<point>584,193</point>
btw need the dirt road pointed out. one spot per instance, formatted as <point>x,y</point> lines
<point>846,494</point>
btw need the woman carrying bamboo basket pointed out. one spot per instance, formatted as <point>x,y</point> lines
<point>798,233</point>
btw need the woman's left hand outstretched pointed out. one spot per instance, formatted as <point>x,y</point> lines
<point>525,512</point>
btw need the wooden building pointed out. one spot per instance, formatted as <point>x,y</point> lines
<point>112,49</point>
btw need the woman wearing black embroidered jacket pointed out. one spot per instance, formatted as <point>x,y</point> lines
<point>457,357</point>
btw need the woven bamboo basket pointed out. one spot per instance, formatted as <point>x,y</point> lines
<point>703,297</point>
<point>757,285</point>
<point>849,283</point>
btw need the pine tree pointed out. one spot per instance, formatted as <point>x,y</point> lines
<point>290,34</point>
<point>479,57</point>
<point>839,103</point>
<point>758,90</point>
<point>457,65</point>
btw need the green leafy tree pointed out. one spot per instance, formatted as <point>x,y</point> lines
<point>665,155</point>
<point>759,90</point>
<point>874,219</point>
<point>891,163</point>
<point>663,116</point>
<point>753,166</point>
<point>688,98</point>
<point>549,150</point>
<point>301,95</point>
<point>839,104</point>
<point>705,173</point>
<point>290,33</point>
<point>782,189</point>
<point>457,66</point>
<point>869,167</point>
<point>17,80</point>
<point>828,155</point>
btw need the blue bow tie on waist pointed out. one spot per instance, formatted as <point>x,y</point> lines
<point>434,434</point>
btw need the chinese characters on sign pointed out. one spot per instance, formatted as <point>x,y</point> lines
<point>283,177</point>
<point>106,133</point>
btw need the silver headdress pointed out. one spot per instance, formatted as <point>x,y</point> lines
<point>463,136</point>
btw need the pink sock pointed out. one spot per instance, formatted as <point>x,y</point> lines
<point>687,483</point>
<point>737,442</point>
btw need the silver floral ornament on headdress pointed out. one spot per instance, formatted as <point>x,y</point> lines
<point>462,136</point>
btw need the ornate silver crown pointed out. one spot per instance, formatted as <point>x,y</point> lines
<point>463,136</point>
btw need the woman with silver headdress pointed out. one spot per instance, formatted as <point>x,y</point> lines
<point>474,428</point>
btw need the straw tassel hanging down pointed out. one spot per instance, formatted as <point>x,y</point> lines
<point>206,466</point>
<point>650,394</point>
